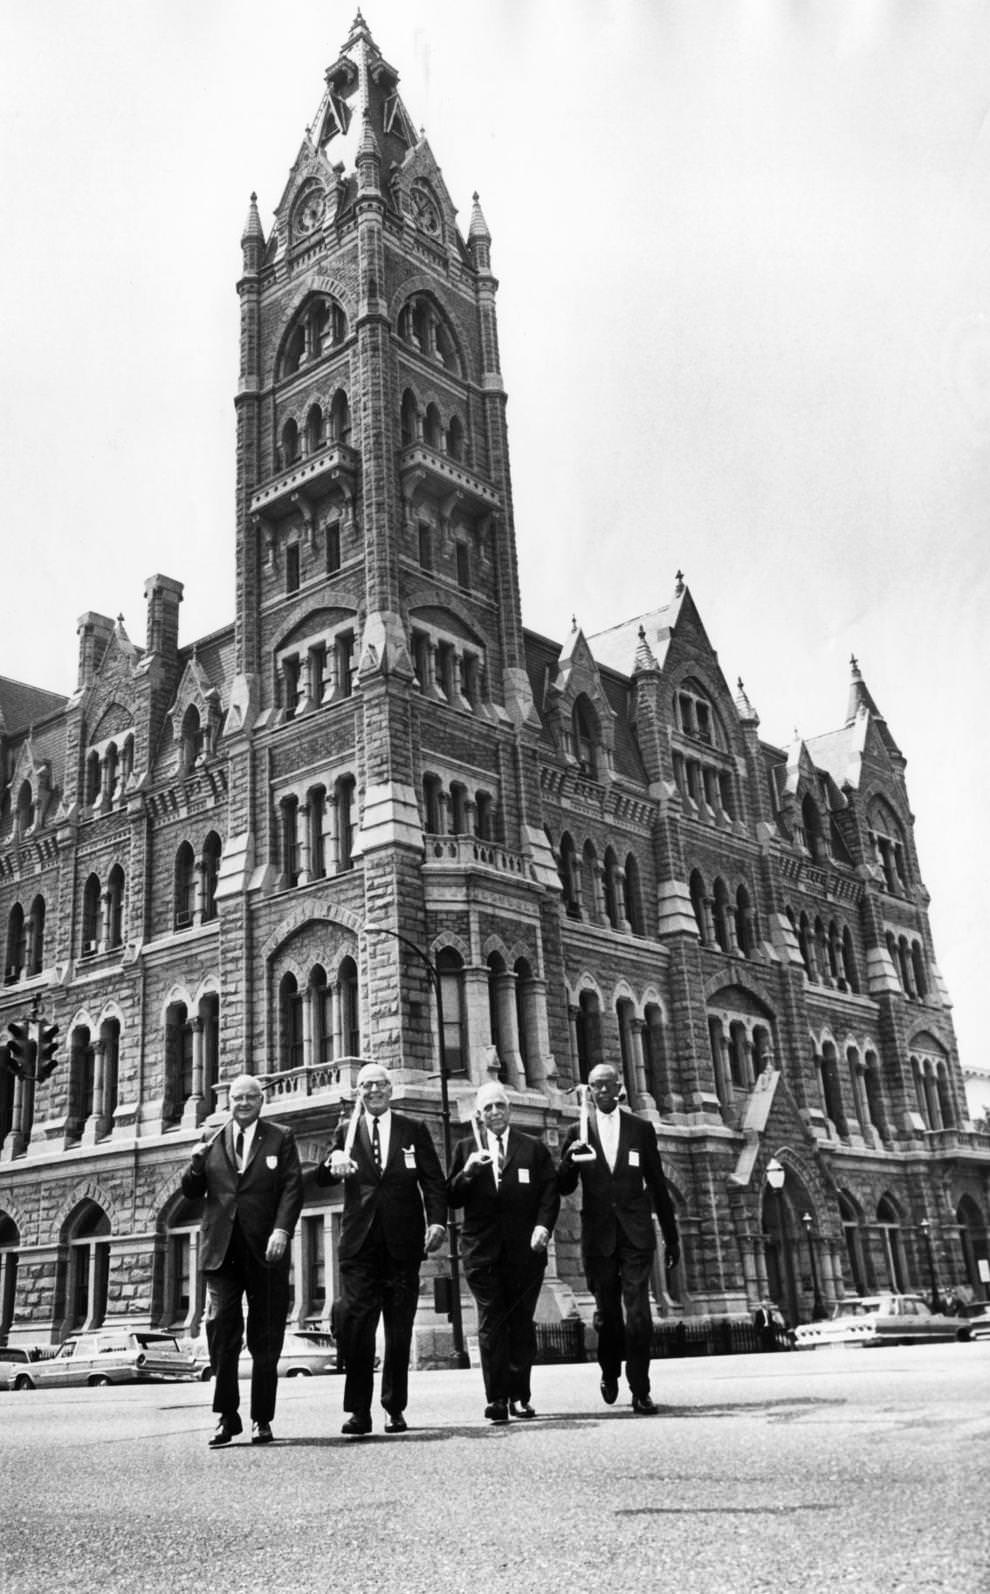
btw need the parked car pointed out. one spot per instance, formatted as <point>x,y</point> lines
<point>305,1352</point>
<point>885,1319</point>
<point>14,1357</point>
<point>110,1356</point>
<point>977,1318</point>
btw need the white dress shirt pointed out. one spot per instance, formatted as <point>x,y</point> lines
<point>608,1133</point>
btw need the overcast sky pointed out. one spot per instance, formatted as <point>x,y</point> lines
<point>744,318</point>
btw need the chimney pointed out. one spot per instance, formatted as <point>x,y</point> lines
<point>163,596</point>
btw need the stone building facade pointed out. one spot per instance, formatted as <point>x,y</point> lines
<point>376,817</point>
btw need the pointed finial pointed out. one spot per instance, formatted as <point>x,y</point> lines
<point>478,229</point>
<point>679,584</point>
<point>744,707</point>
<point>252,227</point>
<point>573,622</point>
<point>854,664</point>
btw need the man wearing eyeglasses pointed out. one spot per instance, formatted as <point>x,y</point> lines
<point>250,1176</point>
<point>395,1210</point>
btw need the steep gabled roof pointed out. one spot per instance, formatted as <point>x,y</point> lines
<point>22,705</point>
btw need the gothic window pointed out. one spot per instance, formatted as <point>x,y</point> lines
<point>316,819</point>
<point>724,925</point>
<point>16,945</point>
<point>696,715</point>
<point>344,789</point>
<point>91,916</point>
<point>613,891</point>
<point>658,1081</point>
<point>115,907</point>
<point>209,1018</point>
<point>455,438</point>
<point>433,434</point>
<point>350,1015</point>
<point>918,970</point>
<point>409,419</point>
<point>191,739</point>
<point>584,724</point>
<point>459,809</point>
<point>211,873</point>
<point>699,903</point>
<point>498,1029</point>
<point>289,451</point>
<point>88,1266</point>
<point>850,971</point>
<point>432,788</point>
<point>184,892</point>
<point>484,816</point>
<point>289,809</point>
<point>10,1240</point>
<point>588,1034</point>
<point>625,1015</point>
<point>887,835</point>
<point>874,1095</point>
<point>109,1044</point>
<point>570,877</point>
<point>745,921</point>
<point>454,1039</point>
<point>35,937</point>
<point>25,808</point>
<point>591,891</point>
<point>527,997</point>
<point>321,1015</point>
<point>892,1246</point>
<point>178,1062</point>
<point>314,430</point>
<point>290,1009</point>
<point>832,1090</point>
<point>320,325</point>
<point>814,834</point>
<point>340,418</point>
<point>91,787</point>
<point>82,1078</point>
<point>423,327</point>
<point>855,1249</point>
<point>634,897</point>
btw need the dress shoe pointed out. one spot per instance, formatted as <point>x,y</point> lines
<point>497,1411</point>
<point>261,1433</point>
<point>396,1423</point>
<point>357,1424</point>
<point>521,1408</point>
<point>610,1389</point>
<point>227,1429</point>
<point>644,1406</point>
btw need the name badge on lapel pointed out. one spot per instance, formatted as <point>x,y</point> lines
<point>409,1152</point>
<point>272,1163</point>
<point>634,1159</point>
<point>524,1176</point>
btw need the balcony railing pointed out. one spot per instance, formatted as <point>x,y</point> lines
<point>465,851</point>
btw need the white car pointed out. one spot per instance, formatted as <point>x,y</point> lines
<point>305,1353</point>
<point>108,1356</point>
<point>885,1319</point>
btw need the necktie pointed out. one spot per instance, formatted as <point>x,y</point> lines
<point>239,1150</point>
<point>376,1146</point>
<point>498,1160</point>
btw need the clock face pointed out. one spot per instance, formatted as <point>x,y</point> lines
<point>309,213</point>
<point>426,211</point>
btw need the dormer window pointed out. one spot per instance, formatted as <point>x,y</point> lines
<point>696,716</point>
<point>585,728</point>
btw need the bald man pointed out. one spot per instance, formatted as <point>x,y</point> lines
<point>395,1212</point>
<point>250,1176</point>
<point>507,1185</point>
<point>622,1184</point>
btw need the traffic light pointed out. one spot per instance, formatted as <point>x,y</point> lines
<point>21,1050</point>
<point>47,1047</point>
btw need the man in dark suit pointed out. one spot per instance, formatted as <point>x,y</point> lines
<point>621,1186</point>
<point>395,1210</point>
<point>250,1176</point>
<point>507,1185</point>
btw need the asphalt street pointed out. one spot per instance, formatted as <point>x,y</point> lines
<point>821,1471</point>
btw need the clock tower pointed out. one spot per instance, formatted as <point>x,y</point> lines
<point>381,721</point>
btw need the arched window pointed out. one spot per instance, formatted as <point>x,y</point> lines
<point>184,891</point>
<point>344,790</point>
<point>16,945</point>
<point>115,907</point>
<point>409,419</point>
<point>91,788</point>
<point>290,444</point>
<point>432,787</point>
<point>459,809</point>
<point>500,1030</point>
<point>9,1242</point>
<point>724,922</point>
<point>584,724</point>
<point>178,1063</point>
<point>570,876</point>
<point>454,1039</point>
<point>91,916</point>
<point>918,970</point>
<point>856,1252</point>
<point>699,902</point>
<point>814,834</point>
<point>588,1033</point>
<point>192,739</point>
<point>25,808</point>
<point>455,438</point>
<point>433,435</point>
<point>350,1013</point>
<point>634,896</point>
<point>87,1270</point>
<point>107,1075</point>
<point>340,418</point>
<point>745,922</point>
<point>849,969</point>
<point>874,1095</point>
<point>211,873</point>
<point>314,429</point>
<point>321,1015</point>
<point>891,1244</point>
<point>658,1080</point>
<point>613,891</point>
<point>209,1018</point>
<point>289,808</point>
<point>591,888</point>
<point>887,835</point>
<point>290,1024</point>
<point>82,1078</point>
<point>527,995</point>
<point>832,1090</point>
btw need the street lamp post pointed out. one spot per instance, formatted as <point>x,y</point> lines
<point>818,1309</point>
<point>461,1358</point>
<point>936,1299</point>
